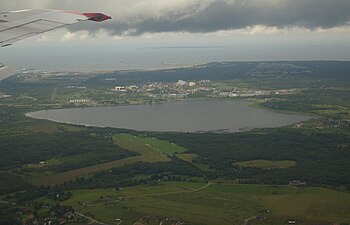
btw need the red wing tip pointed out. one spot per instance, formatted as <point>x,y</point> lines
<point>98,17</point>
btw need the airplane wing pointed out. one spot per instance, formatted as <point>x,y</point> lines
<point>18,25</point>
<point>6,72</point>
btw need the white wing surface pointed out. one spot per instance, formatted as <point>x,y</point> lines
<point>18,25</point>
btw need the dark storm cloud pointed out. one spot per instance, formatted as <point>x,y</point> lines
<point>135,17</point>
<point>223,15</point>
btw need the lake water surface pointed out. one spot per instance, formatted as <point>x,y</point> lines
<point>184,116</point>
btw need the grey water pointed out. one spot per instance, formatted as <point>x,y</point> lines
<point>181,116</point>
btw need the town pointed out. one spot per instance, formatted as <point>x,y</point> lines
<point>161,91</point>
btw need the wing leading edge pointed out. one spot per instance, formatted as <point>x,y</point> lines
<point>19,25</point>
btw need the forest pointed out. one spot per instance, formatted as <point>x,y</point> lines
<point>321,158</point>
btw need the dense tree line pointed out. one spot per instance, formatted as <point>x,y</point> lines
<point>36,147</point>
<point>10,182</point>
<point>8,215</point>
<point>321,158</point>
<point>175,167</point>
<point>136,174</point>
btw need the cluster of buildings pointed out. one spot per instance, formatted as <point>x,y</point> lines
<point>183,88</point>
<point>131,88</point>
<point>79,101</point>
<point>156,86</point>
<point>148,219</point>
<point>246,93</point>
<point>177,86</point>
<point>42,74</point>
<point>184,83</point>
<point>57,215</point>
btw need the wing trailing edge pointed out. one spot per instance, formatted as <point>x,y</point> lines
<point>22,24</point>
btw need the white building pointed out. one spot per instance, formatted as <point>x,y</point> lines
<point>181,82</point>
<point>120,88</point>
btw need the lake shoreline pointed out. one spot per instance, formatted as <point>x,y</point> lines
<point>188,115</point>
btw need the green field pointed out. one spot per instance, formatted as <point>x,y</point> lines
<point>147,152</point>
<point>311,204</point>
<point>266,164</point>
<point>150,150</point>
<point>149,142</point>
<point>200,203</point>
<point>87,195</point>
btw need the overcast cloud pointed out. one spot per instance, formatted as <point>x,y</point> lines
<point>136,17</point>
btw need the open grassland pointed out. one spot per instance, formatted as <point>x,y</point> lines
<point>182,206</point>
<point>267,165</point>
<point>156,144</point>
<point>306,205</point>
<point>200,203</point>
<point>148,152</point>
<point>170,200</point>
<point>311,204</point>
<point>110,194</point>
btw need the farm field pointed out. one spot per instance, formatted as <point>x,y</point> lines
<point>200,203</point>
<point>266,164</point>
<point>132,143</point>
<point>150,150</point>
<point>58,178</point>
<point>153,143</point>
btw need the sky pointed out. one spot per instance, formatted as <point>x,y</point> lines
<point>152,33</point>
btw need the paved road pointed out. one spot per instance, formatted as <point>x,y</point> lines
<point>201,188</point>
<point>246,221</point>
<point>91,219</point>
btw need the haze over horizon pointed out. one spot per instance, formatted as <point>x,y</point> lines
<point>154,33</point>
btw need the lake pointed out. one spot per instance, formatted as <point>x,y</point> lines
<point>183,116</point>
